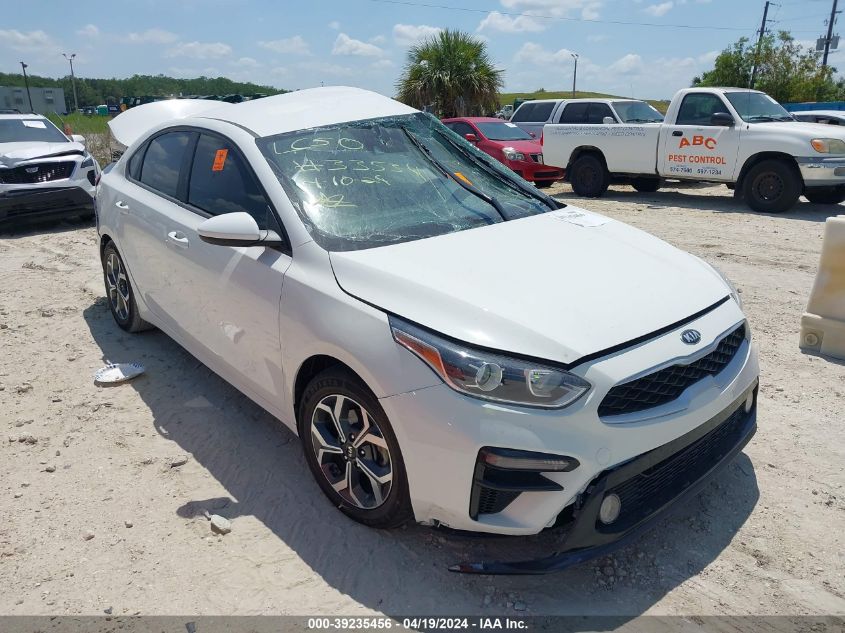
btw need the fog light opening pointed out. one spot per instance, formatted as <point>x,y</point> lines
<point>749,402</point>
<point>610,508</point>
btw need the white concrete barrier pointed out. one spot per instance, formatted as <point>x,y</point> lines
<point>823,324</point>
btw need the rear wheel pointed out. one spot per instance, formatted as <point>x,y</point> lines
<point>646,185</point>
<point>119,292</point>
<point>771,186</point>
<point>589,176</point>
<point>352,451</point>
<point>826,195</point>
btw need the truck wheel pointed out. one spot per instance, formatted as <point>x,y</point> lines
<point>646,185</point>
<point>589,176</point>
<point>771,186</point>
<point>826,195</point>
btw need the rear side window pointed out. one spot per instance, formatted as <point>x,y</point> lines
<point>597,111</point>
<point>574,113</point>
<point>221,183</point>
<point>163,162</point>
<point>525,112</point>
<point>698,108</point>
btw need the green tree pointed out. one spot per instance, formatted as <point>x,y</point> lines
<point>452,72</point>
<point>785,70</point>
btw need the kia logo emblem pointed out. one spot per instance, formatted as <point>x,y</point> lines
<point>691,337</point>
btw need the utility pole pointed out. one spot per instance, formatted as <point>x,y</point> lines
<point>759,45</point>
<point>829,38</point>
<point>26,83</point>
<point>574,73</point>
<point>72,80</point>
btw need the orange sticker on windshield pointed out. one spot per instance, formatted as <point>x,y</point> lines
<point>464,178</point>
<point>219,160</point>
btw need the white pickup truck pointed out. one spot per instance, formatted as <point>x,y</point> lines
<point>739,137</point>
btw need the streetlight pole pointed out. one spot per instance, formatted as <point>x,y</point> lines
<point>574,73</point>
<point>72,80</point>
<point>26,83</point>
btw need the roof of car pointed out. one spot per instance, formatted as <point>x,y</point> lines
<point>305,109</point>
<point>22,116</point>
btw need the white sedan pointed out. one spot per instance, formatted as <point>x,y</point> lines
<point>451,345</point>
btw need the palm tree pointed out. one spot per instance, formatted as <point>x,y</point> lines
<point>452,72</point>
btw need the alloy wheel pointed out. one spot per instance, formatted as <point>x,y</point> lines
<point>118,286</point>
<point>351,451</point>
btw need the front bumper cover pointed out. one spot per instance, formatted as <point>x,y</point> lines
<point>822,171</point>
<point>44,202</point>
<point>715,443</point>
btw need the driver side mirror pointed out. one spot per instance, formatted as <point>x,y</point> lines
<point>236,229</point>
<point>472,138</point>
<point>77,138</point>
<point>608,120</point>
<point>722,119</point>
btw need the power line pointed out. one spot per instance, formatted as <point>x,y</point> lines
<point>564,18</point>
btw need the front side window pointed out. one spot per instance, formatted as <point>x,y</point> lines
<point>163,162</point>
<point>459,127</point>
<point>698,108</point>
<point>377,182</point>
<point>221,183</point>
<point>30,130</point>
<point>597,111</point>
<point>523,113</point>
<point>542,111</point>
<point>757,107</point>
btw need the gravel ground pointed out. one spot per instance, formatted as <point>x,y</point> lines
<point>105,493</point>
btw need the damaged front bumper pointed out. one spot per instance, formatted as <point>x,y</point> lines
<point>44,203</point>
<point>647,486</point>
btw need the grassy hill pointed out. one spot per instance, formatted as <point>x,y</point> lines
<point>508,97</point>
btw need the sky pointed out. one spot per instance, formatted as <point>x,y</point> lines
<point>639,48</point>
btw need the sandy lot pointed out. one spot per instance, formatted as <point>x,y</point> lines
<point>95,515</point>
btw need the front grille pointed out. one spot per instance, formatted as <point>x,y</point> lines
<point>31,174</point>
<point>650,490</point>
<point>667,384</point>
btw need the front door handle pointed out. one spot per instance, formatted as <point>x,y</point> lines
<point>178,239</point>
<point>677,133</point>
<point>124,208</point>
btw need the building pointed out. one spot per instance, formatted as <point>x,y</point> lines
<point>44,100</point>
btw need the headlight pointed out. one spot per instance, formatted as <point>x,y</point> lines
<point>88,162</point>
<point>828,145</point>
<point>511,154</point>
<point>489,375</point>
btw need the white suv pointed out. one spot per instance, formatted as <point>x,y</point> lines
<point>452,345</point>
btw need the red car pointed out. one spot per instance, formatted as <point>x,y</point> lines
<point>508,144</point>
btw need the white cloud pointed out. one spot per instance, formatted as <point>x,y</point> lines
<point>152,36</point>
<point>382,64</point>
<point>200,50</point>
<point>295,45</point>
<point>378,39</point>
<point>89,30</point>
<point>345,45</point>
<point>410,34</point>
<point>496,21</point>
<point>334,25</point>
<point>597,38</point>
<point>532,53</point>
<point>328,68</point>
<point>630,63</point>
<point>26,42</point>
<point>246,62</point>
<point>659,10</point>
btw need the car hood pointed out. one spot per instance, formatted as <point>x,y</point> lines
<point>559,286</point>
<point>526,147</point>
<point>810,130</point>
<point>13,153</point>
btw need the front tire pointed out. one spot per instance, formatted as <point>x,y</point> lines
<point>352,451</point>
<point>589,176</point>
<point>119,292</point>
<point>831,195</point>
<point>772,186</point>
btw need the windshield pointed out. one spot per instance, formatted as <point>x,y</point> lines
<point>637,112</point>
<point>503,132</point>
<point>756,107</point>
<point>383,181</point>
<point>23,130</point>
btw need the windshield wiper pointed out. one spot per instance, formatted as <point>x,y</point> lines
<point>425,151</point>
<point>546,200</point>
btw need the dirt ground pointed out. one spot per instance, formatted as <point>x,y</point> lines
<point>97,513</point>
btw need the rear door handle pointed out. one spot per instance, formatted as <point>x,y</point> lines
<point>178,239</point>
<point>677,133</point>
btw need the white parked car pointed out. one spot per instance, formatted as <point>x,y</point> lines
<point>43,173</point>
<point>451,345</point>
<point>827,117</point>
<point>739,137</point>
